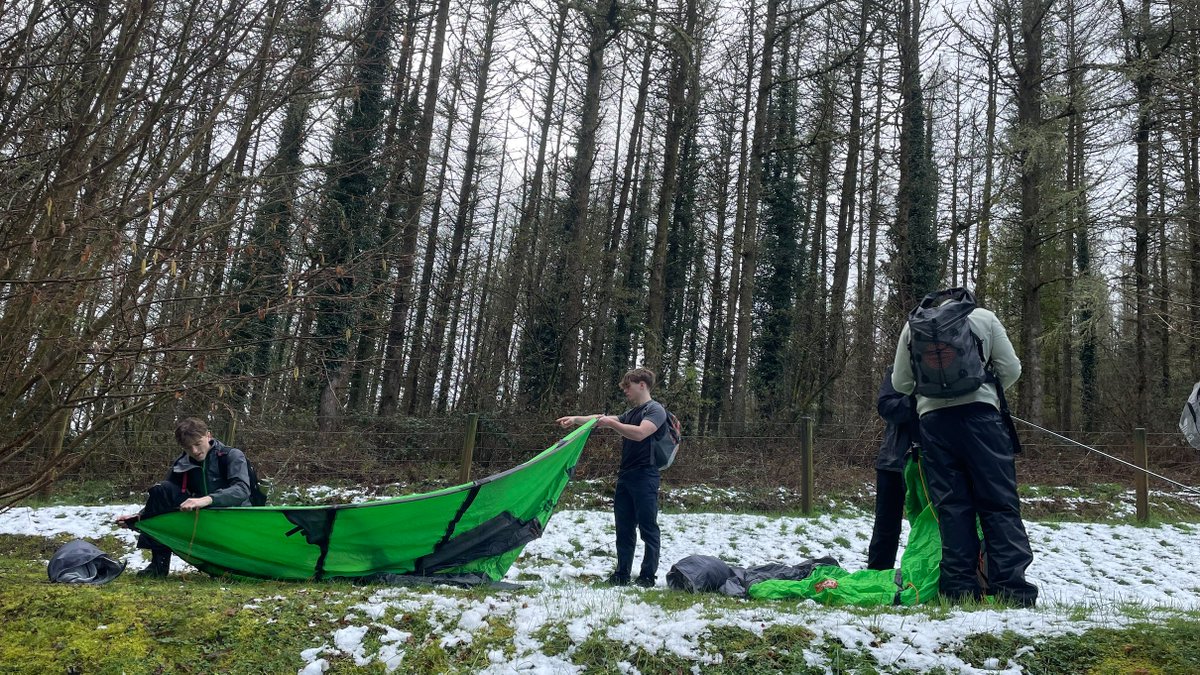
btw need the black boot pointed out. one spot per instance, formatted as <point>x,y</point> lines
<point>160,564</point>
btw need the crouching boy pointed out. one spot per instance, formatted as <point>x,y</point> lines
<point>207,473</point>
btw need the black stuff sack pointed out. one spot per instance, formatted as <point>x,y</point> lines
<point>78,562</point>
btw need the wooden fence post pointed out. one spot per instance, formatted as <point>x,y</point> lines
<point>231,437</point>
<point>464,471</point>
<point>1141,480</point>
<point>806,465</point>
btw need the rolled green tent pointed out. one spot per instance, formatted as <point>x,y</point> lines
<point>474,528</point>
<point>915,582</point>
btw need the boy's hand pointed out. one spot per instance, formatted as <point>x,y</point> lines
<point>195,503</point>
<point>127,521</point>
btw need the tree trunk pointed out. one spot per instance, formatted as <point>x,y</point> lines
<point>607,375</point>
<point>466,204</point>
<point>344,225</point>
<point>984,237</point>
<point>676,118</point>
<point>1032,170</point>
<point>739,221</point>
<point>1191,181</point>
<point>845,225</point>
<point>389,399</point>
<point>741,359</point>
<point>575,219</point>
<point>524,239</point>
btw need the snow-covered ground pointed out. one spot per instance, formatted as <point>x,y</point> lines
<point>1090,575</point>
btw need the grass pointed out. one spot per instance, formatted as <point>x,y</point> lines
<point>197,624</point>
<point>1171,647</point>
<point>192,624</point>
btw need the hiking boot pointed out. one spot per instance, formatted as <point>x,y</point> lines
<point>645,582</point>
<point>615,579</point>
<point>160,565</point>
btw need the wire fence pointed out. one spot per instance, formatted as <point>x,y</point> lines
<point>427,453</point>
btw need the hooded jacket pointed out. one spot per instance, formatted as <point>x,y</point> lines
<point>902,430</point>
<point>227,488</point>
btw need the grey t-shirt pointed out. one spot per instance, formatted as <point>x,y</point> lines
<point>640,454</point>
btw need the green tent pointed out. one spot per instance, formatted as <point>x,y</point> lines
<point>915,582</point>
<point>475,528</point>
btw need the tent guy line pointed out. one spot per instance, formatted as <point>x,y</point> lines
<point>1115,459</point>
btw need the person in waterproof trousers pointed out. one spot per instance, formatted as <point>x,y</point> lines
<point>902,431</point>
<point>968,459</point>
<point>635,505</point>
<point>207,473</point>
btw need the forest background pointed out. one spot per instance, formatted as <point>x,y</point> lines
<point>332,228</point>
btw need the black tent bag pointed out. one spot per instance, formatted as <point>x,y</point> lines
<point>706,574</point>
<point>78,562</point>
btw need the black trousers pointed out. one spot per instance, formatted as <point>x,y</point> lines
<point>636,509</point>
<point>163,498</point>
<point>889,512</point>
<point>968,459</point>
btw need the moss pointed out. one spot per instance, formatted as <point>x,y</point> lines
<point>187,624</point>
<point>779,649</point>
<point>1169,648</point>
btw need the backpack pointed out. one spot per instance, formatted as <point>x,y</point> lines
<point>257,496</point>
<point>667,446</point>
<point>1189,420</point>
<point>947,358</point>
<point>80,562</point>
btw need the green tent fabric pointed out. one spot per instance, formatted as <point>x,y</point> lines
<point>915,582</point>
<point>475,528</point>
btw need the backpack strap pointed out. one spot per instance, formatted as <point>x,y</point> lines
<point>1005,413</point>
<point>223,464</point>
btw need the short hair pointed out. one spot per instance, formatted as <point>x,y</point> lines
<point>639,375</point>
<point>190,430</point>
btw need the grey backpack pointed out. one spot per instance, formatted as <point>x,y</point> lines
<point>947,358</point>
<point>78,562</point>
<point>1189,421</point>
<point>666,446</point>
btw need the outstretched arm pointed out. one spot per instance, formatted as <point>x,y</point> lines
<point>576,420</point>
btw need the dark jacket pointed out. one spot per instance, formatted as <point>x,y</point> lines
<point>227,488</point>
<point>902,430</point>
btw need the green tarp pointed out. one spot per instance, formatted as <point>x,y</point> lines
<point>916,581</point>
<point>474,528</point>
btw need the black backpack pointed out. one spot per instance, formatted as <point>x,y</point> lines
<point>947,358</point>
<point>257,496</point>
<point>667,446</point>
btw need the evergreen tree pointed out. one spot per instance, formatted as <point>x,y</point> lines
<point>258,277</point>
<point>916,263</point>
<point>345,230</point>
<point>781,260</point>
<point>915,235</point>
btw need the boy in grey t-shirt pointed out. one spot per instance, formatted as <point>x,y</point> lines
<point>635,505</point>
